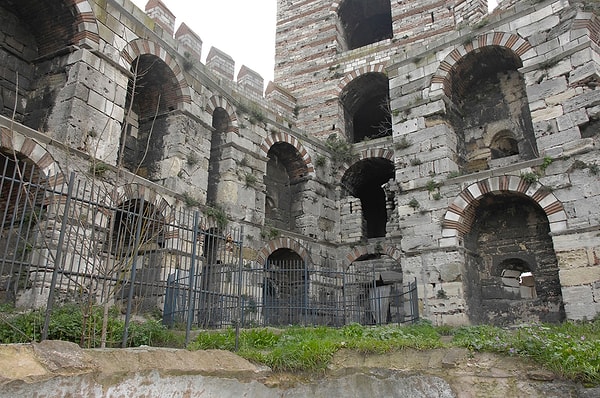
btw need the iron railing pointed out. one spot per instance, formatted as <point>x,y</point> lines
<point>84,241</point>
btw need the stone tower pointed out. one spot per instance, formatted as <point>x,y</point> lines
<point>322,45</point>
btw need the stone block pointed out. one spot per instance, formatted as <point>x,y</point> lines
<point>579,276</point>
<point>546,89</point>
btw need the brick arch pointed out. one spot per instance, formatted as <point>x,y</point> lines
<point>139,47</point>
<point>356,73</point>
<point>87,26</point>
<point>361,251</point>
<point>217,101</point>
<point>268,142</point>
<point>283,243</point>
<point>370,153</point>
<point>510,41</point>
<point>128,192</point>
<point>33,150</point>
<point>459,218</point>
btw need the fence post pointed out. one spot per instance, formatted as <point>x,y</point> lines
<point>58,258</point>
<point>305,300</point>
<point>138,231</point>
<point>239,290</point>
<point>192,283</point>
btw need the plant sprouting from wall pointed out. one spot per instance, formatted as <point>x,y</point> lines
<point>530,177</point>
<point>341,151</point>
<point>402,143</point>
<point>250,180</point>
<point>217,214</point>
<point>414,203</point>
<point>189,200</point>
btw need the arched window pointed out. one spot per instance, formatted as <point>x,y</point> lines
<point>517,279</point>
<point>364,180</point>
<point>504,144</point>
<point>366,107</point>
<point>488,90</point>
<point>151,95</point>
<point>221,123</point>
<point>284,181</point>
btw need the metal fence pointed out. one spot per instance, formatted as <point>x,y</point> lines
<point>85,241</point>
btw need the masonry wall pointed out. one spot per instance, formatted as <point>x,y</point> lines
<point>540,104</point>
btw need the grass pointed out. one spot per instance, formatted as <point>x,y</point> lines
<point>571,350</point>
<point>67,324</point>
<point>310,349</point>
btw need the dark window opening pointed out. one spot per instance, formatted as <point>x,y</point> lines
<point>364,22</point>
<point>517,279</point>
<point>221,123</point>
<point>487,89</point>
<point>364,180</point>
<point>137,228</point>
<point>31,30</point>
<point>366,104</point>
<point>152,94</point>
<point>512,274</point>
<point>503,145</point>
<point>284,181</point>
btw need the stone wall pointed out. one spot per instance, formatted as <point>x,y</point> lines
<point>480,112</point>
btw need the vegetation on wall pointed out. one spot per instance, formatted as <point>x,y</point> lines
<point>341,150</point>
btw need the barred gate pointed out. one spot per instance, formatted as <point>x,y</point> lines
<point>81,241</point>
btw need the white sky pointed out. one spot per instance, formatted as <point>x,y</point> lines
<point>244,29</point>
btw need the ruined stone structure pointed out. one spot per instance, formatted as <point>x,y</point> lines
<point>423,138</point>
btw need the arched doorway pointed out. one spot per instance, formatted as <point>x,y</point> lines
<point>512,270</point>
<point>285,288</point>
<point>136,244</point>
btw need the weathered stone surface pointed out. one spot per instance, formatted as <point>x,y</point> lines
<point>153,372</point>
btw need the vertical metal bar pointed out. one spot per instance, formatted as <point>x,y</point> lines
<point>192,283</point>
<point>134,253</point>
<point>344,288</point>
<point>57,258</point>
<point>305,298</point>
<point>239,290</point>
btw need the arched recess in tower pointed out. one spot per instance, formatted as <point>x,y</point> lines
<point>492,118</point>
<point>366,105</point>
<point>364,22</point>
<point>31,30</point>
<point>365,180</point>
<point>221,123</point>
<point>512,270</point>
<point>152,94</point>
<point>285,183</point>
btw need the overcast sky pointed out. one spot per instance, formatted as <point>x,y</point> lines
<point>244,29</point>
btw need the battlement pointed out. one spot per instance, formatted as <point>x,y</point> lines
<point>189,45</point>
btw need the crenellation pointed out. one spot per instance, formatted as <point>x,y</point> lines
<point>190,43</point>
<point>161,14</point>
